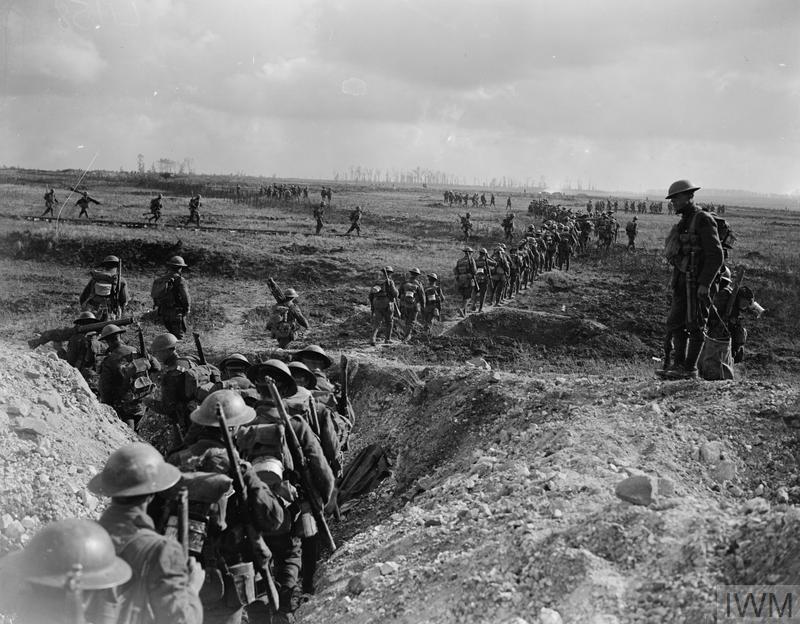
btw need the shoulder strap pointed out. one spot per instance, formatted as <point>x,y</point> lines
<point>137,608</point>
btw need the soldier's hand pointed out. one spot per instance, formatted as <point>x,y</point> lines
<point>197,575</point>
<point>702,291</point>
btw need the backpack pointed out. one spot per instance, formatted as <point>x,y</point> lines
<point>463,276</point>
<point>630,228</point>
<point>716,360</point>
<point>261,441</point>
<point>726,235</point>
<point>408,296</point>
<point>135,372</point>
<point>279,323</point>
<point>198,379</point>
<point>380,299</point>
<point>163,290</point>
<point>104,284</point>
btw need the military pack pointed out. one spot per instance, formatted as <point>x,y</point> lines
<point>163,290</point>
<point>104,284</point>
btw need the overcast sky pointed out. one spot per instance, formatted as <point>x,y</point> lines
<point>621,94</point>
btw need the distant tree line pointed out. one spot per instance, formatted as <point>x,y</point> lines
<point>429,177</point>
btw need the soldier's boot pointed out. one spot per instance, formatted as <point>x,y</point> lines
<point>374,338</point>
<point>689,368</point>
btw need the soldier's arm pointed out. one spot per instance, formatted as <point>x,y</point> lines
<point>265,509</point>
<point>298,316</point>
<point>328,439</point>
<point>391,290</point>
<point>75,349</point>
<point>712,251</point>
<point>106,381</point>
<point>172,598</point>
<point>182,294</point>
<point>122,296</point>
<point>318,466</point>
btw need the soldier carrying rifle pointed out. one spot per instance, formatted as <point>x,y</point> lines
<point>286,318</point>
<point>383,305</point>
<point>50,202</point>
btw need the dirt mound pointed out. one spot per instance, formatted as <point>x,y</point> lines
<point>530,326</point>
<point>54,436</point>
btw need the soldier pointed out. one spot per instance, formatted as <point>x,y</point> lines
<point>166,584</point>
<point>173,403</point>
<point>50,202</point>
<point>508,203</point>
<point>483,268</point>
<point>286,544</point>
<point>155,210</point>
<point>483,200</point>
<point>286,318</point>
<point>491,200</point>
<point>434,299</point>
<point>565,243</point>
<point>508,226</point>
<point>695,252</point>
<point>170,294</point>
<point>124,377</point>
<point>499,273</point>
<point>465,278</point>
<point>319,216</point>
<point>83,202</point>
<point>466,226</point>
<point>106,293</point>
<point>194,210</point>
<point>412,301</point>
<point>383,306</point>
<point>84,350</point>
<point>227,553</point>
<point>631,231</point>
<point>68,572</point>
<point>355,221</point>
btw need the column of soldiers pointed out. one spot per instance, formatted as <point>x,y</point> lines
<point>229,524</point>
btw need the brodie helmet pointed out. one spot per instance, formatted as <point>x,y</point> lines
<point>162,342</point>
<point>111,330</point>
<point>680,186</point>
<point>176,261</point>
<point>278,372</point>
<point>303,375</point>
<point>84,318</point>
<point>134,470</point>
<point>110,260</point>
<point>236,411</point>
<point>313,352</point>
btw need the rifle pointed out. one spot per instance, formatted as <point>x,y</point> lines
<point>261,553</point>
<point>183,520</point>
<point>276,291</point>
<point>88,197</point>
<point>199,346</point>
<point>142,345</point>
<point>392,302</point>
<point>65,333</point>
<point>74,595</point>
<point>301,467</point>
<point>117,286</point>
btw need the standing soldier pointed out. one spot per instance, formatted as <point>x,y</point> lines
<point>319,216</point>
<point>124,377</point>
<point>491,200</point>
<point>84,350</point>
<point>508,226</point>
<point>155,210</point>
<point>174,404</point>
<point>499,274</point>
<point>565,243</point>
<point>285,319</point>
<point>483,270</point>
<point>83,202</point>
<point>166,584</point>
<point>434,299</point>
<point>106,293</point>
<point>412,301</point>
<point>465,278</point>
<point>466,226</point>
<point>631,231</point>
<point>383,303</point>
<point>695,252</point>
<point>68,572</point>
<point>171,299</point>
<point>50,202</point>
<point>508,203</point>
<point>194,210</point>
<point>355,221</point>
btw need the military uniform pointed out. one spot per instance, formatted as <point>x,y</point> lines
<point>49,202</point>
<point>355,221</point>
<point>465,277</point>
<point>173,306</point>
<point>194,211</point>
<point>434,300</point>
<point>412,300</point>
<point>114,387</point>
<point>319,216</point>
<point>382,301</point>
<point>106,293</point>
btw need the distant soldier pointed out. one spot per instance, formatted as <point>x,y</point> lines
<point>106,293</point>
<point>434,299</point>
<point>508,226</point>
<point>412,301</point>
<point>465,277</point>
<point>84,202</point>
<point>508,203</point>
<point>67,573</point>
<point>319,216</point>
<point>565,244</point>
<point>238,193</point>
<point>155,209</point>
<point>165,582</point>
<point>285,319</point>
<point>194,210</point>
<point>170,294</point>
<point>491,200</point>
<point>499,275</point>
<point>124,377</point>
<point>631,229</point>
<point>355,221</point>
<point>50,202</point>
<point>383,305</point>
<point>466,226</point>
<point>483,270</point>
<point>483,200</point>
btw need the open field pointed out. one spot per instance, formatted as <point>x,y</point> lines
<point>502,498</point>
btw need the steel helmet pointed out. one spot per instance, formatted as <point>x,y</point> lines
<point>111,330</point>
<point>313,352</point>
<point>468,249</point>
<point>162,342</point>
<point>303,375</point>
<point>237,412</point>
<point>483,251</point>
<point>160,196</point>
<point>290,293</point>
<point>176,261</point>
<point>235,360</point>
<point>433,276</point>
<point>680,186</point>
<point>388,269</point>
<point>84,318</point>
<point>134,470</point>
<point>415,271</point>
<point>110,260</point>
<point>275,370</point>
<point>62,546</point>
